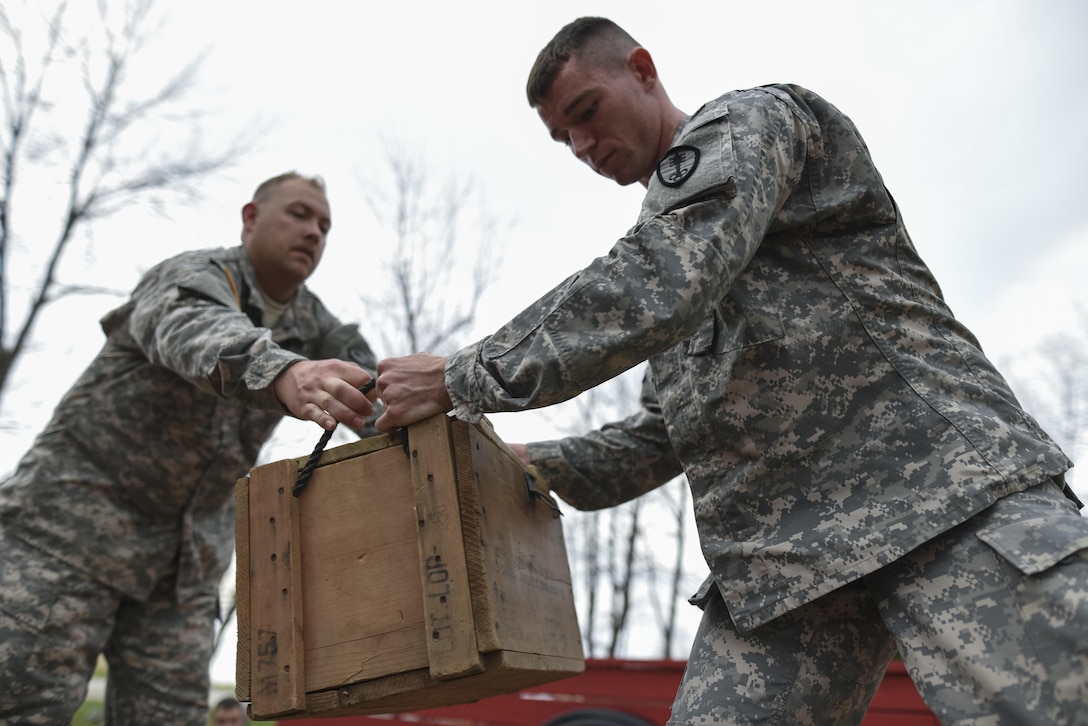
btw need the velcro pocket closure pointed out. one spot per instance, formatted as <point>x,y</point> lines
<point>1036,544</point>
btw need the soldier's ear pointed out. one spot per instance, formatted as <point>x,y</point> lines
<point>249,216</point>
<point>641,63</point>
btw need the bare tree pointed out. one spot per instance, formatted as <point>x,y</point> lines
<point>439,254</point>
<point>1052,379</point>
<point>81,138</point>
<point>617,560</point>
<point>624,542</point>
<point>588,529</point>
<point>601,582</point>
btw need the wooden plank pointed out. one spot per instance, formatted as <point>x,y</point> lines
<point>276,649</point>
<point>503,673</point>
<point>363,600</point>
<point>351,450</point>
<point>447,604</point>
<point>241,590</point>
<point>526,602</point>
<point>468,493</point>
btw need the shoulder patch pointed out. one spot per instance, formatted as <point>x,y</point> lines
<point>677,165</point>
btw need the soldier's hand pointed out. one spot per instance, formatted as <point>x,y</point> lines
<point>325,391</point>
<point>521,451</point>
<point>412,388</point>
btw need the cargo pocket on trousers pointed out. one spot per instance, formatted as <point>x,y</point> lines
<point>1036,544</point>
<point>33,588</point>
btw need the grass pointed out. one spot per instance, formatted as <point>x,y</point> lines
<point>91,713</point>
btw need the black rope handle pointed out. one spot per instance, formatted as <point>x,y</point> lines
<point>307,469</point>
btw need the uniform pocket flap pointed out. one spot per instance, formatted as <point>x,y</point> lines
<point>214,285</point>
<point>1036,544</point>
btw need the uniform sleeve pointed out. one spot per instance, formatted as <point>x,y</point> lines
<point>617,463</point>
<point>181,319</point>
<point>658,283</point>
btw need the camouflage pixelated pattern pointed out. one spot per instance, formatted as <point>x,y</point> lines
<point>54,621</point>
<point>993,629</point>
<point>990,631</point>
<point>830,412</point>
<point>600,468</point>
<point>818,665</point>
<point>142,454</point>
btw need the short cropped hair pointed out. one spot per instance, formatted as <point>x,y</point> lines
<point>265,187</point>
<point>597,41</point>
<point>228,703</point>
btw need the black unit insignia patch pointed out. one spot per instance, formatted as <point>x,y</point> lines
<point>678,165</point>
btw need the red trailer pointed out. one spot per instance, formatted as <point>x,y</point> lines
<point>619,693</point>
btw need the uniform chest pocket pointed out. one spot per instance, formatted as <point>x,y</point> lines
<point>743,319</point>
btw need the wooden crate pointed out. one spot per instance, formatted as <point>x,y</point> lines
<point>412,572</point>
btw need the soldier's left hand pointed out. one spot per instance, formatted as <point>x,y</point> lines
<point>412,387</point>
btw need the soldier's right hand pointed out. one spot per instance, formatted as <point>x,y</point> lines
<point>325,391</point>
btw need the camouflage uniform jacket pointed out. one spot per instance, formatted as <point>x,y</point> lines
<point>143,452</point>
<point>829,411</point>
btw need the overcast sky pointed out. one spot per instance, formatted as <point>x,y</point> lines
<point>974,111</point>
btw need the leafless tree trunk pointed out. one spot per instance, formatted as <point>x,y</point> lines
<point>626,538</point>
<point>666,597</point>
<point>675,595</point>
<point>590,527</point>
<point>583,534</point>
<point>72,121</point>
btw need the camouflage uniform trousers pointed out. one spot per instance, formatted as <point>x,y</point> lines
<point>54,624</point>
<point>991,620</point>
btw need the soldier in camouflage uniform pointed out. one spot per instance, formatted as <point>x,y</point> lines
<point>118,524</point>
<point>863,478</point>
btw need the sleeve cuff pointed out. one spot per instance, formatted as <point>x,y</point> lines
<point>462,385</point>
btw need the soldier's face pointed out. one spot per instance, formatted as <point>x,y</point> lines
<point>285,235</point>
<point>606,117</point>
<point>229,717</point>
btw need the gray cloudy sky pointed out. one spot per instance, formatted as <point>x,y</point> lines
<point>974,110</point>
